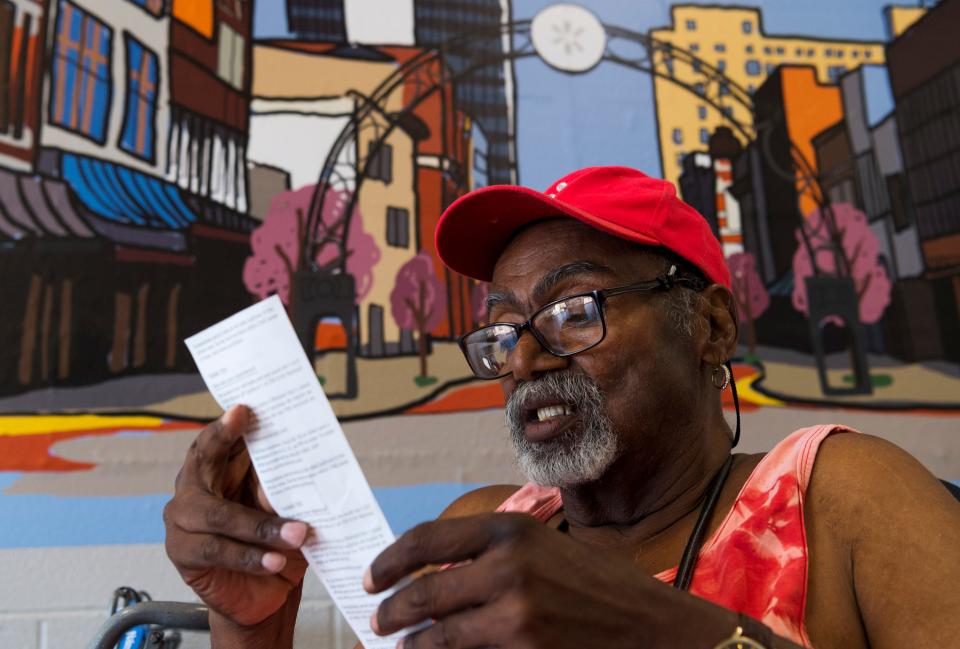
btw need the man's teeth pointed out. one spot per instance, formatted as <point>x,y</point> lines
<point>553,411</point>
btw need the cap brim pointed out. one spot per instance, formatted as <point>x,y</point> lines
<point>474,230</point>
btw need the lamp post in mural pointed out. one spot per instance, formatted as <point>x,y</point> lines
<point>573,40</point>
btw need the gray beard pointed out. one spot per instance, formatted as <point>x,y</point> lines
<point>579,455</point>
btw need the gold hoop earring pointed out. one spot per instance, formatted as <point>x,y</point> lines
<point>720,377</point>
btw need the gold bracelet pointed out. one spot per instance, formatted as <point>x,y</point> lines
<point>739,641</point>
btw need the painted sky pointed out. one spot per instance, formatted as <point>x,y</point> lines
<point>558,114</point>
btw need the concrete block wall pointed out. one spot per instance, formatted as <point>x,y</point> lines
<point>57,598</point>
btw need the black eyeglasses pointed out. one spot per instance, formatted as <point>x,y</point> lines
<point>565,327</point>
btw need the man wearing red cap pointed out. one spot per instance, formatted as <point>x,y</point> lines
<point>612,327</point>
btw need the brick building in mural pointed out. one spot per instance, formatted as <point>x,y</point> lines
<point>98,222</point>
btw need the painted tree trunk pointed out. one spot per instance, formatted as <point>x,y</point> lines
<point>751,329</point>
<point>422,329</point>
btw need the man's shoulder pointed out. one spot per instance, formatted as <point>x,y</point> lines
<point>479,501</point>
<point>860,478</point>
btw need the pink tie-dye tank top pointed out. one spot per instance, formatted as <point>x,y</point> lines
<point>756,561</point>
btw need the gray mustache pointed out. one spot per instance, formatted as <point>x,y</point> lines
<point>572,388</point>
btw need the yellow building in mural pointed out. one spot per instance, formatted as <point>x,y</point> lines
<point>732,40</point>
<point>302,99</point>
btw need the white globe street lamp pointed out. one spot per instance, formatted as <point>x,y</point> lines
<point>568,37</point>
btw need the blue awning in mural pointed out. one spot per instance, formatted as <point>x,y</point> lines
<point>126,196</point>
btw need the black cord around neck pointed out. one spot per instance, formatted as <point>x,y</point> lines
<point>736,404</point>
<point>688,560</point>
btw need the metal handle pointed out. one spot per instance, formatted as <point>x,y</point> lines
<point>176,615</point>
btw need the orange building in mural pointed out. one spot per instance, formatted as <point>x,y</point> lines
<point>809,107</point>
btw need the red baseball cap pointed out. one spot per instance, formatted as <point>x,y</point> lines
<point>620,201</point>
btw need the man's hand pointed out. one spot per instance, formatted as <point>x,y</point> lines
<point>529,586</point>
<point>223,537</point>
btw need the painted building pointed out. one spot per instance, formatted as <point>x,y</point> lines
<point>732,40</point>
<point>21,67</point>
<point>100,225</point>
<point>484,92</point>
<point>924,64</point>
<point>209,95</point>
<point>310,102</point>
<point>773,198</point>
<point>871,126</point>
<point>706,183</point>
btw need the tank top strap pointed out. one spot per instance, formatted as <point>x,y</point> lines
<point>539,502</point>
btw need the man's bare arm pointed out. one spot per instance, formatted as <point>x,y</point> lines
<point>902,529</point>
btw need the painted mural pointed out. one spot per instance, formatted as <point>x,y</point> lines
<point>164,163</point>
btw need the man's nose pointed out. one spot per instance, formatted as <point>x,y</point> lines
<point>529,359</point>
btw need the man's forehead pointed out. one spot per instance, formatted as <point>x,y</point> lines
<point>565,247</point>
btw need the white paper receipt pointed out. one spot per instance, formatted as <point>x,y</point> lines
<point>301,455</point>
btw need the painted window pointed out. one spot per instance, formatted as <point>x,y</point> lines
<point>694,47</point>
<point>704,136</point>
<point>698,88</point>
<point>380,163</point>
<point>840,54</point>
<point>749,49</point>
<point>835,72</point>
<point>677,136</point>
<point>692,25</point>
<point>398,227</point>
<point>747,27</point>
<point>810,52</point>
<point>15,52</point>
<point>867,54</point>
<point>140,108</point>
<point>81,84</point>
<point>702,112</point>
<point>720,47</point>
<point>753,67</point>
<point>230,55</point>
<point>780,51</point>
<point>154,7</point>
<point>721,65</point>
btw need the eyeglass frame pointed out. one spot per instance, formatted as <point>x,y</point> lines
<point>663,282</point>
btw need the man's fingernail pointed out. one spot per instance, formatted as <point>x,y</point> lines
<point>367,580</point>
<point>373,623</point>
<point>229,416</point>
<point>293,533</point>
<point>273,561</point>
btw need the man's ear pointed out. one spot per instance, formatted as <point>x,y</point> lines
<point>723,327</point>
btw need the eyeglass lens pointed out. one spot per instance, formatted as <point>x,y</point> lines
<point>565,328</point>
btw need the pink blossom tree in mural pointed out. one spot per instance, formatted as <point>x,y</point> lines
<point>277,244</point>
<point>417,302</point>
<point>750,293</point>
<point>860,259</point>
<point>478,302</point>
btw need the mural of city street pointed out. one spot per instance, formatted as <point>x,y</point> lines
<point>165,163</point>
